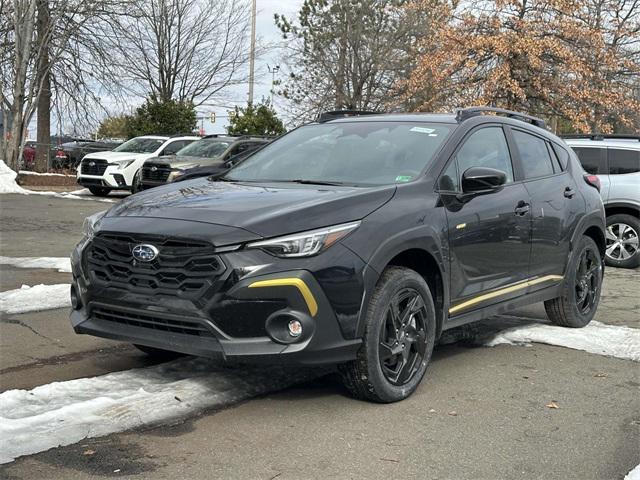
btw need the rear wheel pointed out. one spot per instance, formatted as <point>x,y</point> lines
<point>581,291</point>
<point>100,191</point>
<point>622,241</point>
<point>158,353</point>
<point>398,340</point>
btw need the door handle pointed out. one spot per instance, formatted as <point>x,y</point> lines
<point>569,192</point>
<point>522,208</point>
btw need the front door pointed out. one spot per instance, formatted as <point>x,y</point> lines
<point>489,234</point>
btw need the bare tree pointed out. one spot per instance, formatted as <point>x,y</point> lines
<point>35,38</point>
<point>183,50</point>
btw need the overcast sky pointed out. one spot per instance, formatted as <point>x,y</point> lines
<point>267,33</point>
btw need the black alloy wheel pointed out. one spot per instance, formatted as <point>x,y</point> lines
<point>403,337</point>
<point>587,280</point>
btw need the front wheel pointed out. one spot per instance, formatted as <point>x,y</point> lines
<point>398,340</point>
<point>136,185</point>
<point>581,291</point>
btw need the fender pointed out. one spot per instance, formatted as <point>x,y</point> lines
<point>593,219</point>
<point>422,237</point>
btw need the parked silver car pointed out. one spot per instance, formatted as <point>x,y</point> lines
<point>615,159</point>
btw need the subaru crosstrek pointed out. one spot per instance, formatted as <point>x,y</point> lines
<point>351,241</point>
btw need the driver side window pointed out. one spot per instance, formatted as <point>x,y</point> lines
<point>486,147</point>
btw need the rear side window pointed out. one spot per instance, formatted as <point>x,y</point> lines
<point>486,148</point>
<point>623,161</point>
<point>535,157</point>
<point>589,158</point>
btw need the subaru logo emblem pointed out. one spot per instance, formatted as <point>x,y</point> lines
<point>92,164</point>
<point>153,169</point>
<point>144,252</point>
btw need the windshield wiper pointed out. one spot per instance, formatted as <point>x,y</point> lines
<point>314,182</point>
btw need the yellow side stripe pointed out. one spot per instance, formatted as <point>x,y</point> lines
<point>504,291</point>
<point>312,305</point>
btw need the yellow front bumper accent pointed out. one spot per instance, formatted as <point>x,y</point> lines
<point>312,305</point>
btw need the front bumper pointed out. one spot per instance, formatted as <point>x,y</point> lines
<point>241,317</point>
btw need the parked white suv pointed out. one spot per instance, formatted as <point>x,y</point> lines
<point>119,169</point>
<point>615,159</point>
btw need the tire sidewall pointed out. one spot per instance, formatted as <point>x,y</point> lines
<point>397,280</point>
<point>570,291</point>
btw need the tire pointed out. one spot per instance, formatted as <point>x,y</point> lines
<point>135,185</point>
<point>368,376</point>
<point>158,353</point>
<point>581,289</point>
<point>100,191</point>
<point>623,234</point>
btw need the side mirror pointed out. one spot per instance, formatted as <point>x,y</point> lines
<point>480,180</point>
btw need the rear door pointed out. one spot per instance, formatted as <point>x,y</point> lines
<point>488,234</point>
<point>555,204</point>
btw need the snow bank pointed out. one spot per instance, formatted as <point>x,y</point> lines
<point>63,413</point>
<point>28,172</point>
<point>608,340</point>
<point>62,264</point>
<point>36,298</point>
<point>8,185</point>
<point>8,180</point>
<point>633,474</point>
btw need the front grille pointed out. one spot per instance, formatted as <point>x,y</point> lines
<point>183,268</point>
<point>93,167</point>
<point>155,172</point>
<point>144,320</point>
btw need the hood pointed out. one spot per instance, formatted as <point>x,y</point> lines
<point>183,162</point>
<point>115,156</point>
<point>266,210</point>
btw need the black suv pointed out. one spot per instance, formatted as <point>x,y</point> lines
<point>352,241</point>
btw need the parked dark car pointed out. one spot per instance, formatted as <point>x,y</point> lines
<point>212,155</point>
<point>353,241</point>
<point>69,155</point>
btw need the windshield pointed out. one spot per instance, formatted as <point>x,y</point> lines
<point>205,148</point>
<point>140,145</point>
<point>355,153</point>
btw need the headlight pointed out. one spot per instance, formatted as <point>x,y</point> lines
<point>121,165</point>
<point>175,173</point>
<point>305,244</point>
<point>90,223</point>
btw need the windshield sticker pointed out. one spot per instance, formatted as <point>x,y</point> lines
<point>422,129</point>
<point>403,178</point>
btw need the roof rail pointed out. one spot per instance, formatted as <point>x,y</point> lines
<point>334,115</point>
<point>463,114</point>
<point>602,136</point>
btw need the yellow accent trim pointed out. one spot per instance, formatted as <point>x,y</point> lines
<point>460,226</point>
<point>291,282</point>
<point>504,291</point>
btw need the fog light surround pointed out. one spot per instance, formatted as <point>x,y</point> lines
<point>76,303</point>
<point>289,326</point>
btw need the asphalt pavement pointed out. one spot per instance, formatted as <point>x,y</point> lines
<point>481,413</point>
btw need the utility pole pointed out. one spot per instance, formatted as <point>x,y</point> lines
<point>252,52</point>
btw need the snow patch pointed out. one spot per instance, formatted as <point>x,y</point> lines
<point>63,413</point>
<point>8,180</point>
<point>36,298</point>
<point>633,474</point>
<point>608,340</point>
<point>62,264</point>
